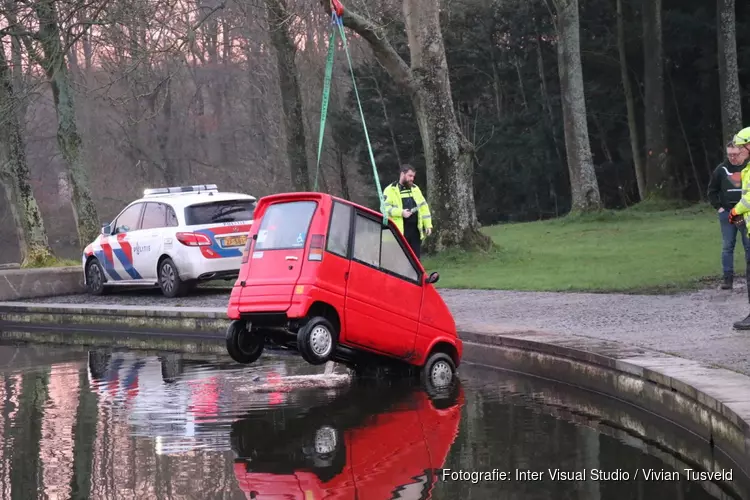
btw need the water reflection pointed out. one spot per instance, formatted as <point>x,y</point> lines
<point>385,441</point>
<point>126,425</point>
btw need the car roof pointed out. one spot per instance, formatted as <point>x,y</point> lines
<point>182,200</point>
<point>304,196</point>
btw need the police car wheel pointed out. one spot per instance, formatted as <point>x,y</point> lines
<point>316,341</point>
<point>94,278</point>
<point>169,279</point>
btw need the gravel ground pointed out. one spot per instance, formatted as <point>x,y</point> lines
<point>696,325</point>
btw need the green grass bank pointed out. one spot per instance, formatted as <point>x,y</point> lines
<point>643,249</point>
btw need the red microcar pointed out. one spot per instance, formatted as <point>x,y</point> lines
<point>328,278</point>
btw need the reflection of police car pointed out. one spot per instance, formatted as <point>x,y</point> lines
<point>172,237</point>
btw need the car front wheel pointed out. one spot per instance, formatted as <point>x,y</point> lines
<point>94,277</point>
<point>169,279</point>
<point>316,341</point>
<point>438,373</point>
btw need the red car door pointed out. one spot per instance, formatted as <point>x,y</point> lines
<point>384,293</point>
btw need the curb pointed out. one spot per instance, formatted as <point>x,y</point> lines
<point>711,403</point>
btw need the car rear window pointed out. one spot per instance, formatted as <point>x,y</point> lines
<point>285,225</point>
<point>219,211</point>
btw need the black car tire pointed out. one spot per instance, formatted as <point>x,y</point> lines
<point>95,278</point>
<point>243,346</point>
<point>169,279</point>
<point>316,341</point>
<point>438,374</point>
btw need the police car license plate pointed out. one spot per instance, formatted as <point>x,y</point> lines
<point>234,241</point>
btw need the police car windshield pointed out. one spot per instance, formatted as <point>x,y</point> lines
<point>219,211</point>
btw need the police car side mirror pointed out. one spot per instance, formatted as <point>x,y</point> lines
<point>432,278</point>
<point>106,229</point>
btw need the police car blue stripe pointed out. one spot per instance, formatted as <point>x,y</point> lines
<point>108,266</point>
<point>120,253</point>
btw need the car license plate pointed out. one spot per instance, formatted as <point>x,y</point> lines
<point>234,241</point>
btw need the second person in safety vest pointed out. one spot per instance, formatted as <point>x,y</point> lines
<point>407,207</point>
<point>741,211</point>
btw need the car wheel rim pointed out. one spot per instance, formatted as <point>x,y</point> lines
<point>325,440</point>
<point>95,277</point>
<point>441,373</point>
<point>167,277</point>
<point>320,341</point>
<point>247,343</point>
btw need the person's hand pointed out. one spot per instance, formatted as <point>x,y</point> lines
<point>735,218</point>
<point>406,214</point>
<point>721,210</point>
<point>428,231</point>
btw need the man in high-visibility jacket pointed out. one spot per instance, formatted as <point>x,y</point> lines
<point>407,207</point>
<point>741,212</point>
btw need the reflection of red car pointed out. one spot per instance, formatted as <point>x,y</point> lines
<point>326,277</point>
<point>394,453</point>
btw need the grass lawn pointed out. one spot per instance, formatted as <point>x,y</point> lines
<point>641,250</point>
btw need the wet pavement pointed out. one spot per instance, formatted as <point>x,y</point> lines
<point>125,424</point>
<point>695,325</point>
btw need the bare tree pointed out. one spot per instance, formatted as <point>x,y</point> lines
<point>14,174</point>
<point>448,153</point>
<point>658,181</point>
<point>53,61</point>
<point>635,143</point>
<point>279,20</point>
<point>583,184</point>
<point>731,106</point>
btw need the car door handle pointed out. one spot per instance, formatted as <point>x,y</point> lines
<point>291,257</point>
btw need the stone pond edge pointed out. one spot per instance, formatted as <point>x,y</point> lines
<point>625,375</point>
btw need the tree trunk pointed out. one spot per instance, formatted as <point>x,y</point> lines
<point>291,98</point>
<point>583,184</point>
<point>729,83</point>
<point>658,179</point>
<point>448,154</point>
<point>14,175</point>
<point>68,139</point>
<point>635,143</point>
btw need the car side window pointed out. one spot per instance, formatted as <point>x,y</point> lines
<point>128,220</point>
<point>367,241</point>
<point>394,259</point>
<point>154,216</point>
<point>171,217</point>
<point>338,234</point>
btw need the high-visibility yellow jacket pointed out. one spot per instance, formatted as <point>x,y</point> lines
<point>394,207</point>
<point>743,206</point>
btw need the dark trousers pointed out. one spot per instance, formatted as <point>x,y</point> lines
<point>415,242</point>
<point>729,240</point>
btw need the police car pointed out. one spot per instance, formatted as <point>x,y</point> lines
<point>172,237</point>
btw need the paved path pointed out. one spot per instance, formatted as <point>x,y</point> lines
<point>696,325</point>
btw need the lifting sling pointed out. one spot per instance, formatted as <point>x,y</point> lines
<point>337,21</point>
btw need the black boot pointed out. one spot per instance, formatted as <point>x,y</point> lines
<point>744,324</point>
<point>728,282</point>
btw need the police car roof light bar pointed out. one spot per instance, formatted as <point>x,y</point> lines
<point>180,189</point>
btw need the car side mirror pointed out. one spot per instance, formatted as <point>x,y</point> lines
<point>106,229</point>
<point>432,278</point>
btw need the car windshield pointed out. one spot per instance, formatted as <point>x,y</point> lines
<point>285,225</point>
<point>219,211</point>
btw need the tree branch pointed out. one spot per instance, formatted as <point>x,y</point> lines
<point>383,50</point>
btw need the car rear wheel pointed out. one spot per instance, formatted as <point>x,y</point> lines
<point>95,278</point>
<point>169,279</point>
<point>316,341</point>
<point>438,373</point>
<point>243,346</point>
